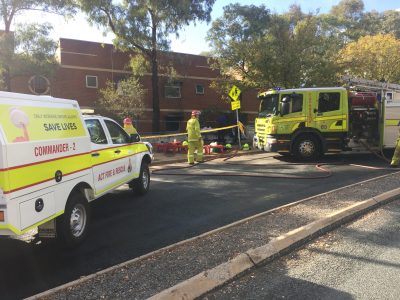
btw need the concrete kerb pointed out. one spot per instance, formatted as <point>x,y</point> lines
<point>208,280</point>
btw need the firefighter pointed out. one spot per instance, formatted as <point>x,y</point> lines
<point>194,138</point>
<point>396,155</point>
<point>128,126</point>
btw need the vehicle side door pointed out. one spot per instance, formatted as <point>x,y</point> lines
<point>328,113</point>
<point>102,156</point>
<point>294,112</point>
<point>126,166</point>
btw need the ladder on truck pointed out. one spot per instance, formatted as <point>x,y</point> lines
<point>372,85</point>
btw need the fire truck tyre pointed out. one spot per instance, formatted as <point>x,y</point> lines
<point>141,184</point>
<point>306,147</point>
<point>72,226</point>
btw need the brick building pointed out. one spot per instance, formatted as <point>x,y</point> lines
<point>86,66</point>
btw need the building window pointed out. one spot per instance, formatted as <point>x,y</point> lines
<point>39,85</point>
<point>199,89</point>
<point>172,90</point>
<point>91,81</point>
<point>172,122</point>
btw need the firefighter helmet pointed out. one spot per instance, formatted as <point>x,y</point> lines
<point>196,113</point>
<point>127,120</point>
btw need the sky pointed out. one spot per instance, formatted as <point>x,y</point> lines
<point>191,38</point>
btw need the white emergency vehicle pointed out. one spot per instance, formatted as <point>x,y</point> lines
<point>54,161</point>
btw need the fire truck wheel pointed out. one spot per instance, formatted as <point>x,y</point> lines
<point>306,147</point>
<point>72,226</point>
<point>141,184</point>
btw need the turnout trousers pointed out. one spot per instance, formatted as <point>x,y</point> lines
<point>192,147</point>
<point>396,154</point>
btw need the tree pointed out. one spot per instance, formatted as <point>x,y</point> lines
<point>373,57</point>
<point>349,22</point>
<point>9,9</point>
<point>390,23</point>
<point>145,26</point>
<point>262,50</point>
<point>125,99</point>
<point>235,39</point>
<point>27,52</point>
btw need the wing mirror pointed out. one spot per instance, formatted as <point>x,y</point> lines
<point>135,138</point>
<point>285,108</point>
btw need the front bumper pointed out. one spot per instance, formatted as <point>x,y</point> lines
<point>270,144</point>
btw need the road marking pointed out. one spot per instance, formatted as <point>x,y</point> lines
<point>159,179</point>
<point>368,167</point>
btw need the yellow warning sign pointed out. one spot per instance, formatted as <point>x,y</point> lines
<point>235,105</point>
<point>234,93</point>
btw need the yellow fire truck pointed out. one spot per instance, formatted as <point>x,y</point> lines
<point>309,122</point>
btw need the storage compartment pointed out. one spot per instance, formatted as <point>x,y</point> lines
<point>363,99</point>
<point>37,209</point>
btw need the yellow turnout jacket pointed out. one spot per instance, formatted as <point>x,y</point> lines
<point>193,130</point>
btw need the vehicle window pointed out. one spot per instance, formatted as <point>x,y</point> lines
<point>96,132</point>
<point>328,102</point>
<point>268,105</point>
<point>118,135</point>
<point>296,102</point>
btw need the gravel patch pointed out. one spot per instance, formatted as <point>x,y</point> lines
<point>147,276</point>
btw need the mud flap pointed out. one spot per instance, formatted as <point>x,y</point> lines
<point>48,229</point>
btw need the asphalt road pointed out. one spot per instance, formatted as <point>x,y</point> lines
<point>357,261</point>
<point>176,208</point>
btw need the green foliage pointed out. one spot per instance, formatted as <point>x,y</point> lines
<point>29,51</point>
<point>29,58</point>
<point>236,38</point>
<point>271,49</point>
<point>139,64</point>
<point>254,48</point>
<point>373,57</point>
<point>11,8</point>
<point>123,99</point>
<point>34,50</point>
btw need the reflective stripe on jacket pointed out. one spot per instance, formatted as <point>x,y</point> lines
<point>193,130</point>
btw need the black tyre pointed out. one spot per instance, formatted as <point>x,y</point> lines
<point>141,185</point>
<point>72,226</point>
<point>306,147</point>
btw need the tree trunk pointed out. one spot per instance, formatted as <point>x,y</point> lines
<point>6,73</point>
<point>7,78</point>
<point>155,92</point>
<point>154,77</point>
